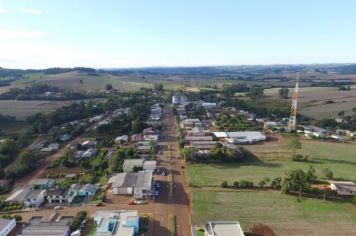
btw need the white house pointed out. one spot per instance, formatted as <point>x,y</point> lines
<point>122,139</point>
<point>6,226</point>
<point>344,188</point>
<point>208,105</point>
<point>223,228</point>
<point>140,184</point>
<point>34,198</point>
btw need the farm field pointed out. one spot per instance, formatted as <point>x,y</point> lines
<point>313,100</point>
<point>22,109</point>
<point>283,213</point>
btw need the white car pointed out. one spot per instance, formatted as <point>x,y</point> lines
<point>157,194</point>
<point>58,207</point>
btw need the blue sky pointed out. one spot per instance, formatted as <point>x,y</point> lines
<point>133,33</point>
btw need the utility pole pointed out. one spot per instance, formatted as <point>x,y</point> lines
<point>293,114</point>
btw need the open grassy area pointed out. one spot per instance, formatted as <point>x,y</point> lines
<point>283,213</point>
<point>274,160</point>
<point>22,109</point>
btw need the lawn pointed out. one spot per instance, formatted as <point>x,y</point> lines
<point>273,160</point>
<point>282,212</point>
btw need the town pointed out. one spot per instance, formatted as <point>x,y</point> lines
<point>126,166</point>
<point>177,118</point>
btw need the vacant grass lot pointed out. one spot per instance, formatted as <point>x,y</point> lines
<point>274,160</point>
<point>282,212</point>
<point>285,215</point>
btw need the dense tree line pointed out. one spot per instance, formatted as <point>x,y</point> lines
<point>225,122</point>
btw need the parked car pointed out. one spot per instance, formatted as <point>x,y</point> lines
<point>164,173</point>
<point>140,202</point>
<point>156,193</point>
<point>58,207</point>
<point>157,185</point>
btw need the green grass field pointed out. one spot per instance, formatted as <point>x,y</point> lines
<point>274,160</point>
<point>282,212</point>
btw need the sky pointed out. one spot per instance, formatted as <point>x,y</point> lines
<point>144,33</point>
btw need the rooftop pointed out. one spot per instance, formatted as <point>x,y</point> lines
<point>4,223</point>
<point>54,225</point>
<point>224,228</point>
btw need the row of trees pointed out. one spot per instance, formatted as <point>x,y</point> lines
<point>225,122</point>
<point>218,154</point>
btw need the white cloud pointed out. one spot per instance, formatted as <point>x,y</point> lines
<point>30,11</point>
<point>19,34</point>
<point>2,10</point>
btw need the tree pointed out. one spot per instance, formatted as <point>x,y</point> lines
<point>158,86</point>
<point>283,93</point>
<point>189,153</point>
<point>223,184</point>
<point>262,183</point>
<point>298,180</point>
<point>341,113</point>
<point>328,173</point>
<point>78,219</point>
<point>235,184</point>
<point>256,92</point>
<point>294,144</point>
<point>108,87</point>
<point>262,230</point>
<point>276,182</point>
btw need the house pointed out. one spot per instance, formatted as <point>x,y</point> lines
<point>37,146</point>
<point>151,137</point>
<point>179,99</point>
<point>344,188</point>
<point>88,190</point>
<point>202,145</point>
<point>117,223</point>
<point>149,130</point>
<point>149,165</point>
<point>65,137</point>
<point>6,226</point>
<point>223,228</point>
<point>129,164</point>
<point>56,224</point>
<point>18,195</point>
<point>190,123</point>
<point>88,144</point>
<point>338,137</point>
<point>122,139</point>
<point>209,105</point>
<point>136,138</point>
<point>51,148</point>
<point>89,153</point>
<point>43,183</point>
<point>96,118</point>
<point>34,198</point>
<point>60,195</point>
<point>140,184</point>
<point>243,137</point>
<point>197,131</point>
